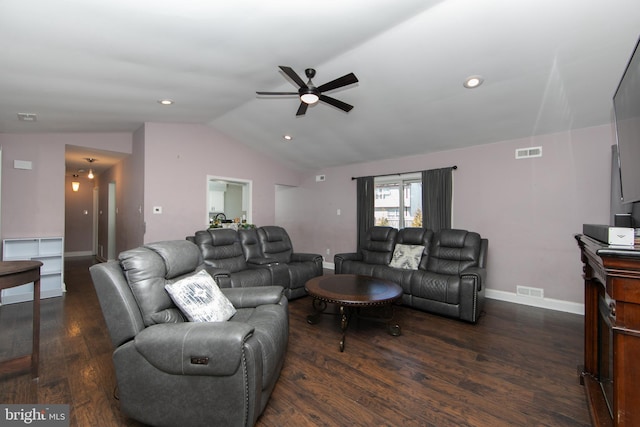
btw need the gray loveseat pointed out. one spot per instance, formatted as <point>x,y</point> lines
<point>257,257</point>
<point>449,275</point>
<point>171,372</point>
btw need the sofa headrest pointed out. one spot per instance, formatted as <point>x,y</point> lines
<point>150,267</point>
<point>217,237</point>
<point>381,234</point>
<point>180,256</point>
<point>275,243</point>
<point>415,236</point>
<point>273,233</point>
<point>378,245</point>
<point>250,243</point>
<point>453,251</point>
<point>458,238</point>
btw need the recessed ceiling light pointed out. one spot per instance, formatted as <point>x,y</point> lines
<point>165,102</point>
<point>473,82</point>
<point>287,137</point>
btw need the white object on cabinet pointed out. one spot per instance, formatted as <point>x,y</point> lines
<point>49,251</point>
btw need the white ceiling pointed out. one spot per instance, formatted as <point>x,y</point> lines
<point>101,66</point>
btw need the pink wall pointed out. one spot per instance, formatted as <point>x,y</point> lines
<point>178,159</point>
<point>528,209</point>
<point>33,201</point>
<point>128,179</point>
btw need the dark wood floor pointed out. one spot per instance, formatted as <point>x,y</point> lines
<point>516,367</point>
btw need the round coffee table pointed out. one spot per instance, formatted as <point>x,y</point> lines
<point>352,292</point>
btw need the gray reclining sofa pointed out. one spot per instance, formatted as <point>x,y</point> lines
<point>448,276</point>
<point>257,257</point>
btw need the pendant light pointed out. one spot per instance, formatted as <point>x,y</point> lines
<point>75,185</point>
<point>90,160</point>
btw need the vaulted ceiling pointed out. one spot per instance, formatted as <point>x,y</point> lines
<point>102,66</point>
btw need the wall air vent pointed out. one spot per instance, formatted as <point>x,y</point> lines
<point>528,291</point>
<point>526,153</point>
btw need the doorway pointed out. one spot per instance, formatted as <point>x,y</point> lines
<point>112,210</point>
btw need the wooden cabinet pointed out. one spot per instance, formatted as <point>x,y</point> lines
<point>611,371</point>
<point>49,251</point>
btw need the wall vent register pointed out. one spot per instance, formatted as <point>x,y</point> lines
<point>527,153</point>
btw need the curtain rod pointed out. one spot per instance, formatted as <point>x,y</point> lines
<point>454,167</point>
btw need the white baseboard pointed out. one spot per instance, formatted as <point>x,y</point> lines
<point>28,296</point>
<point>548,303</point>
<point>78,254</point>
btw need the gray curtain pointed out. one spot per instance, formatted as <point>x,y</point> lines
<point>437,191</point>
<point>365,207</point>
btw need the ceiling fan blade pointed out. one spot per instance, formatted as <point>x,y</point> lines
<point>293,76</point>
<point>302,109</point>
<point>277,93</point>
<point>345,80</point>
<point>336,103</point>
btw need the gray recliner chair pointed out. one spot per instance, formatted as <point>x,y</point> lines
<point>171,372</point>
<point>301,267</point>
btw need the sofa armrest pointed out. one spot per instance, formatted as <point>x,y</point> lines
<point>351,256</point>
<point>222,276</point>
<point>472,282</point>
<point>338,259</point>
<point>305,257</point>
<point>476,274</point>
<point>215,271</point>
<point>261,262</point>
<point>254,296</point>
<point>194,348</point>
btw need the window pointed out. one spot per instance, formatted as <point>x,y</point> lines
<point>398,201</point>
<point>228,196</point>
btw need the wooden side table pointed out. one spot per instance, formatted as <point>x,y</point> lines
<point>17,273</point>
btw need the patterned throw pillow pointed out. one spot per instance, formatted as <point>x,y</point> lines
<point>406,256</point>
<point>200,299</point>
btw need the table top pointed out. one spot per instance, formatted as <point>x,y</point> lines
<point>12,267</point>
<point>353,289</point>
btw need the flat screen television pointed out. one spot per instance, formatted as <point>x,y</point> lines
<point>626,106</point>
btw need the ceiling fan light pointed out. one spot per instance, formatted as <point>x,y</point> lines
<point>90,176</point>
<point>309,98</point>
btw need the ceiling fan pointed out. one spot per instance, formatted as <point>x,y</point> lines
<point>310,94</point>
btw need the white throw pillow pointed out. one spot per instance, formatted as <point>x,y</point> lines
<point>200,299</point>
<point>406,256</point>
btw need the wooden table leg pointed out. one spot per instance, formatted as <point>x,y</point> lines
<point>35,351</point>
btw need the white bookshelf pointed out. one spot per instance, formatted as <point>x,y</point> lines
<point>49,251</point>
